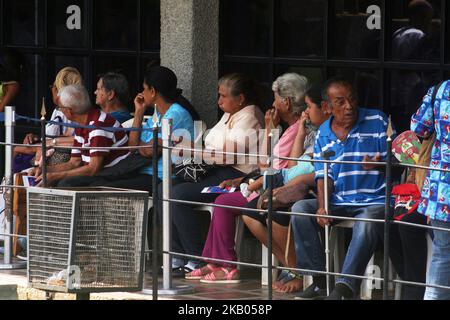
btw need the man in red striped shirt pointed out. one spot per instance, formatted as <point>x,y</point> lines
<point>85,164</point>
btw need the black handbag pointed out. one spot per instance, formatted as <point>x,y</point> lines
<point>126,168</point>
<point>190,170</point>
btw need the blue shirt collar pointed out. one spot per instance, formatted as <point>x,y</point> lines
<point>326,130</point>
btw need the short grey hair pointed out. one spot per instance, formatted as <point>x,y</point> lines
<point>118,83</point>
<point>76,98</point>
<point>292,86</point>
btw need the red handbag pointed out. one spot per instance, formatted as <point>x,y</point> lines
<point>407,198</point>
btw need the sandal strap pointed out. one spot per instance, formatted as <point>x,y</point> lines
<point>284,273</point>
<point>290,275</point>
<point>230,274</point>
<point>295,275</point>
<point>203,270</point>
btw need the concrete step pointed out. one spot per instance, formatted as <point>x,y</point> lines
<point>8,292</point>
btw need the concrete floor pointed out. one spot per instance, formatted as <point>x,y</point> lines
<point>249,289</point>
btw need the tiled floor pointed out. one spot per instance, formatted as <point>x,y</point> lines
<point>249,289</point>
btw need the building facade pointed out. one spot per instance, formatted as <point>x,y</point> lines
<point>393,50</point>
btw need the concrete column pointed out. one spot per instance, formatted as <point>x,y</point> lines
<point>190,47</point>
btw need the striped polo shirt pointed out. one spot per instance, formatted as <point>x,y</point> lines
<point>354,186</point>
<point>93,138</point>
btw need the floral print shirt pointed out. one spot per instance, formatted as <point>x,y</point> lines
<point>435,202</point>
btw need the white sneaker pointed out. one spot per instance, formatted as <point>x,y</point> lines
<point>22,256</point>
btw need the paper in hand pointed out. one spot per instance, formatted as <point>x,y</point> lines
<point>217,189</point>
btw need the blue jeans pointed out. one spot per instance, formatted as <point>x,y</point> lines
<point>309,248</point>
<point>439,272</point>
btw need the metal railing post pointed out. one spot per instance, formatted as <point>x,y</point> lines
<point>269,181</point>
<point>388,218</point>
<point>44,145</point>
<point>167,289</point>
<point>327,155</point>
<point>10,121</point>
<point>327,229</point>
<point>156,200</point>
<point>167,190</point>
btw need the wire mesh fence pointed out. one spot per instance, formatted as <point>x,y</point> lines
<point>86,240</point>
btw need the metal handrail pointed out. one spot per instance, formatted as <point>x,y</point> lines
<point>166,147</point>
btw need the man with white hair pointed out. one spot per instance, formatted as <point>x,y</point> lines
<point>85,164</point>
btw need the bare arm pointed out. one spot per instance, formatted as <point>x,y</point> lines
<point>304,179</point>
<point>11,91</point>
<point>299,144</point>
<point>271,117</point>
<point>258,184</point>
<point>295,190</point>
<point>34,148</point>
<point>134,139</point>
<point>148,152</point>
<point>231,183</point>
<point>89,170</point>
<point>321,212</point>
<point>73,163</point>
<point>62,141</point>
<point>31,150</point>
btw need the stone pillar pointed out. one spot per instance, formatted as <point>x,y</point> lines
<point>190,47</point>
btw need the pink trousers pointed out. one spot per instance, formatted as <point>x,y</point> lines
<point>220,241</point>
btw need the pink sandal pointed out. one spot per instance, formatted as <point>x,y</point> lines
<point>230,276</point>
<point>197,274</point>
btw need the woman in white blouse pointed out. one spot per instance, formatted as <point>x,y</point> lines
<point>237,130</point>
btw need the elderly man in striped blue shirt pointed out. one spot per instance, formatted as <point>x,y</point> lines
<point>355,190</point>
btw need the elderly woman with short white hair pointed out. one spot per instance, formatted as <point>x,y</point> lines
<point>289,101</point>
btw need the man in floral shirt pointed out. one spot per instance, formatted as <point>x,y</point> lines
<point>435,201</point>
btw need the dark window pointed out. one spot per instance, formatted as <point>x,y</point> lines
<point>45,32</point>
<point>407,89</point>
<point>258,71</point>
<point>21,19</point>
<point>27,101</point>
<point>151,25</point>
<point>145,64</point>
<point>350,35</point>
<point>115,24</point>
<point>58,62</point>
<point>415,30</point>
<point>447,32</point>
<point>299,28</point>
<point>63,28</point>
<point>314,75</point>
<point>245,27</point>
<point>320,39</point>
